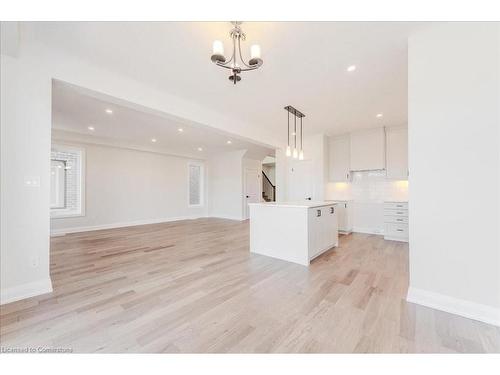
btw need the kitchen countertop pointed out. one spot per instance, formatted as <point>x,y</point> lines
<point>304,204</point>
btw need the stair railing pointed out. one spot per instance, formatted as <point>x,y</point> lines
<point>267,186</point>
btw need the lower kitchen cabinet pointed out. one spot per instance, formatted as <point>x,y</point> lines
<point>323,230</point>
<point>344,216</point>
<point>396,221</point>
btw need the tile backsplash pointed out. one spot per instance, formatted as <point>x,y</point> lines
<point>368,187</point>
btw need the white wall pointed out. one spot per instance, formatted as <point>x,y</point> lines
<point>225,185</point>
<point>453,99</point>
<point>25,149</point>
<point>125,187</point>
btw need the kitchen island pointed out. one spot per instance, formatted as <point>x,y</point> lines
<point>296,232</point>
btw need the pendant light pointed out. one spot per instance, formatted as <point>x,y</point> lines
<point>301,153</point>
<point>297,152</point>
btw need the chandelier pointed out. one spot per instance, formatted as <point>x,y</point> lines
<point>297,152</point>
<point>236,64</point>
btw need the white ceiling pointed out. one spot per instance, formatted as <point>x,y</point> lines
<point>75,109</point>
<point>304,66</point>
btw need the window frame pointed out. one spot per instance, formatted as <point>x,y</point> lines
<point>202,183</point>
<point>62,213</point>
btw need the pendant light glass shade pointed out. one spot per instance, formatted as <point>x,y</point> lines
<point>295,153</point>
<point>301,155</point>
<point>288,151</point>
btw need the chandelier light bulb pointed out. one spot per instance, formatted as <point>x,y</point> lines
<point>288,151</point>
<point>295,153</point>
<point>218,48</point>
<point>255,51</point>
<point>301,155</point>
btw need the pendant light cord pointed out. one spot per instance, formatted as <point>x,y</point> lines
<point>288,135</point>
<point>295,129</point>
<point>301,134</point>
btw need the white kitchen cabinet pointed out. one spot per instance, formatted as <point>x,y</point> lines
<point>323,229</point>
<point>396,221</point>
<point>367,149</point>
<point>339,159</point>
<point>344,216</point>
<point>397,153</point>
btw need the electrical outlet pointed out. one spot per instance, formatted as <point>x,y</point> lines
<point>34,261</point>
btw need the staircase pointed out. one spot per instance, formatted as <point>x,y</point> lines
<point>268,189</point>
<point>266,198</point>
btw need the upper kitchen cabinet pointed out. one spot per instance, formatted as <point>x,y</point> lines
<point>367,149</point>
<point>339,159</point>
<point>397,153</point>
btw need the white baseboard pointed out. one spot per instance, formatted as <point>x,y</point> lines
<point>368,231</point>
<point>467,309</point>
<point>399,239</point>
<point>23,291</point>
<point>228,217</point>
<point>61,232</point>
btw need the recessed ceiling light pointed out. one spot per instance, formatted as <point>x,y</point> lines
<point>200,149</point>
<point>91,128</point>
<point>109,111</point>
<point>229,142</point>
<point>180,130</point>
<point>351,68</point>
<point>153,140</point>
<point>379,115</point>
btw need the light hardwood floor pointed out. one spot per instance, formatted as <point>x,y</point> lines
<point>193,286</point>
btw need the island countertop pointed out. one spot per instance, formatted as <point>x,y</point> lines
<point>298,204</point>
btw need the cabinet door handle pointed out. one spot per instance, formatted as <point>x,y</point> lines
<point>332,210</point>
<point>399,206</point>
<point>400,213</point>
<point>345,205</point>
<point>399,230</point>
<point>399,219</point>
<point>318,213</point>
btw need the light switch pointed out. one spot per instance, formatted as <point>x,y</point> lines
<point>32,181</point>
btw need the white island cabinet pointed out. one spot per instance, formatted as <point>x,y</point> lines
<point>293,231</point>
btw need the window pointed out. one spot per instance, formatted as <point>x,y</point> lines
<point>66,181</point>
<point>195,184</point>
<point>57,183</point>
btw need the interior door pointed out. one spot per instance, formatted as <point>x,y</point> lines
<point>253,190</point>
<point>300,184</point>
